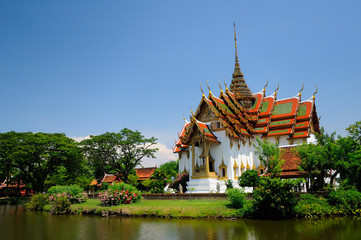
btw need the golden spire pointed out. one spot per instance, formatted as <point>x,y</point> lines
<point>238,85</point>
<point>237,68</point>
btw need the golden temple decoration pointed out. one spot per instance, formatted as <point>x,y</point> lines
<point>313,96</point>
<point>301,90</point>
<point>278,87</point>
<point>202,91</point>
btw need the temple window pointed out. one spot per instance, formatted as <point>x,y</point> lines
<point>222,171</point>
<point>235,170</point>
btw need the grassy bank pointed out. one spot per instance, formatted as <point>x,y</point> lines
<point>197,208</point>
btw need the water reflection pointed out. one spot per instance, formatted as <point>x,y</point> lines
<point>17,223</point>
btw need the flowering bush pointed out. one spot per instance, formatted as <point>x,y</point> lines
<point>79,198</point>
<point>115,197</point>
<point>60,203</point>
<point>182,180</point>
<point>73,192</point>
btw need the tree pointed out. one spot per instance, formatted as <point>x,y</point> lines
<point>118,152</point>
<point>170,168</point>
<point>249,178</point>
<point>320,160</point>
<point>32,157</point>
<point>354,131</point>
<point>270,156</point>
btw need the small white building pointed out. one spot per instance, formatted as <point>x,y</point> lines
<point>218,143</point>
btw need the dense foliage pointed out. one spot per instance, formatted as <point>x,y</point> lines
<point>274,198</point>
<point>38,201</point>
<point>249,178</point>
<point>33,157</point>
<point>118,152</point>
<point>237,197</point>
<point>270,155</point>
<point>339,156</point>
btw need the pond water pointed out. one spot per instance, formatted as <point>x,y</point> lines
<point>18,223</point>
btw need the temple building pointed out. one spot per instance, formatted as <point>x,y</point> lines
<point>218,143</point>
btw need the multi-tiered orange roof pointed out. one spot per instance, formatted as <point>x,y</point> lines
<point>243,114</point>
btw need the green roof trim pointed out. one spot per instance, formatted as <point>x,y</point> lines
<point>300,124</point>
<point>259,129</point>
<point>262,120</point>
<point>264,107</point>
<point>282,108</point>
<point>254,104</point>
<point>302,110</point>
<point>279,131</point>
<point>299,133</point>
<point>280,122</point>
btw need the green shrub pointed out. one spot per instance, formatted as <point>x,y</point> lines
<point>104,186</point>
<point>249,178</point>
<point>38,201</point>
<point>229,184</point>
<point>60,204</point>
<point>310,206</point>
<point>349,200</point>
<point>70,189</point>
<point>274,198</point>
<point>123,186</point>
<point>237,197</point>
<point>73,192</point>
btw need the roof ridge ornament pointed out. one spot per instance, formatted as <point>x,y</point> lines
<point>219,83</point>
<point>278,87</point>
<point>225,84</point>
<point>301,89</point>
<point>264,88</point>
<point>210,92</point>
<point>202,91</point>
<point>313,96</point>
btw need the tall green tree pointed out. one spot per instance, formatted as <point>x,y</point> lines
<point>320,160</point>
<point>33,157</point>
<point>170,168</point>
<point>118,152</point>
<point>270,156</point>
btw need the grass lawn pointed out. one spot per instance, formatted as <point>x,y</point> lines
<point>196,208</point>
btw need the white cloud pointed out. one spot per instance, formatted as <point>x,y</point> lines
<point>163,155</point>
<point>79,139</point>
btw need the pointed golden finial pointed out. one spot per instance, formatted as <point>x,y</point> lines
<point>220,86</point>
<point>193,117</point>
<point>264,88</point>
<point>210,92</point>
<point>184,118</point>
<point>225,84</point>
<point>301,90</point>
<point>278,87</point>
<point>202,91</point>
<point>313,96</point>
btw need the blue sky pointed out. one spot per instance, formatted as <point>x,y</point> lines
<point>87,67</point>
